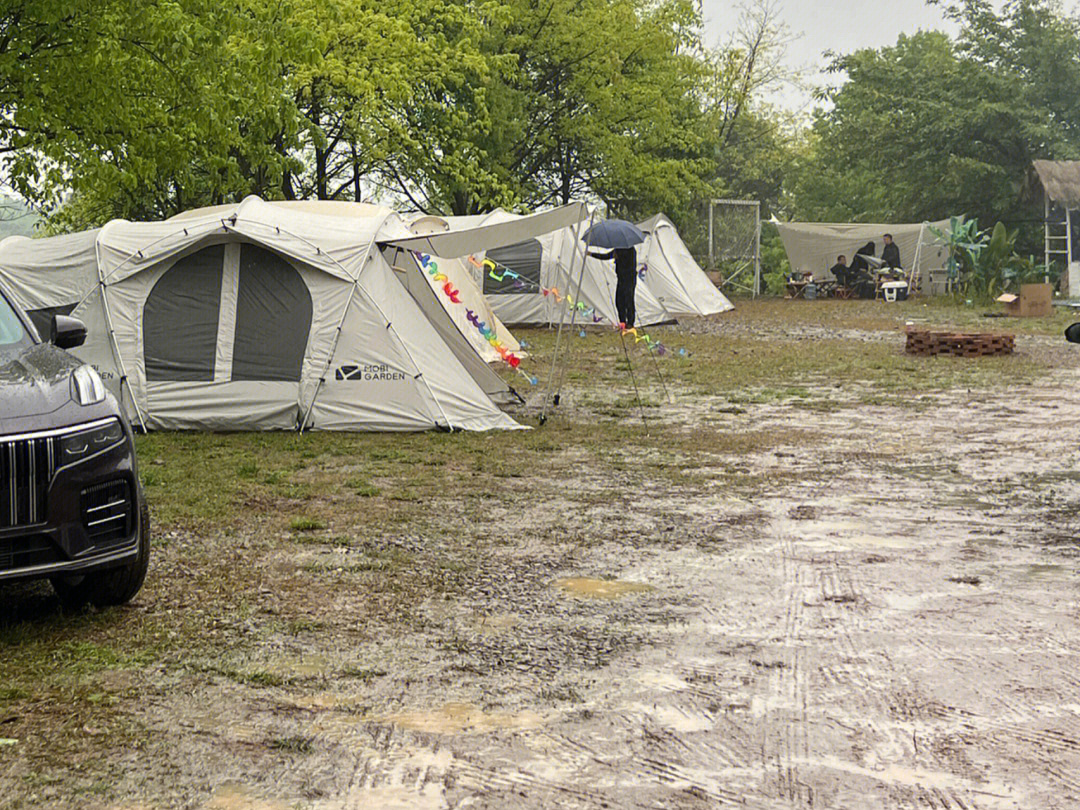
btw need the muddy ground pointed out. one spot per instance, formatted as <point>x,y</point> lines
<point>871,605</point>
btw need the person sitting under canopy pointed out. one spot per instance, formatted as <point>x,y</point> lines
<point>859,273</point>
<point>840,271</point>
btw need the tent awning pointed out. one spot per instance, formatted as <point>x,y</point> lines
<point>454,244</point>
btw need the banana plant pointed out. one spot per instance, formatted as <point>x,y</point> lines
<point>964,243</point>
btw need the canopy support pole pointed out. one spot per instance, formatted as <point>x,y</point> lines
<point>633,379</point>
<point>915,276</point>
<point>573,311</point>
<point>562,316</point>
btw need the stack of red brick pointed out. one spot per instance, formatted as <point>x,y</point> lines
<point>958,344</point>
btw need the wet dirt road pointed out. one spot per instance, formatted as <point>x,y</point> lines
<point>888,618</point>
<point>894,626</point>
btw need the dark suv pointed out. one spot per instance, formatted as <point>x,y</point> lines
<point>71,506</point>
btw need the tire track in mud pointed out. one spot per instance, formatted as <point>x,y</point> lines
<point>785,724</point>
<point>878,702</point>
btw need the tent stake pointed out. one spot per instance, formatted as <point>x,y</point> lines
<point>633,379</point>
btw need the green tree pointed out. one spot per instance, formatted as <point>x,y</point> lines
<point>387,73</point>
<point>918,131</point>
<point>585,98</point>
<point>139,109</point>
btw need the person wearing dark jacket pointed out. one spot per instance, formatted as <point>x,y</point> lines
<point>626,281</point>
<point>840,271</point>
<point>890,254</point>
<point>859,272</point>
<point>859,264</point>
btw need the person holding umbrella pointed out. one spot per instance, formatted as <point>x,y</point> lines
<point>621,239</point>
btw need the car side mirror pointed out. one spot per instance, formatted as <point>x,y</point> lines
<point>67,332</point>
<point>1072,334</point>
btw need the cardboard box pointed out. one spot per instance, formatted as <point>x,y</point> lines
<point>1034,301</point>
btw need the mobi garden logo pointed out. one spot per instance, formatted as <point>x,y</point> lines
<point>369,373</point>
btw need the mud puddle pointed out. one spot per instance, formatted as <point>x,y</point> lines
<point>461,718</point>
<point>586,588</point>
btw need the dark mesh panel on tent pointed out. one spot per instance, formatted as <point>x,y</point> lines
<point>42,318</point>
<point>273,318</point>
<point>180,319</point>
<point>524,259</point>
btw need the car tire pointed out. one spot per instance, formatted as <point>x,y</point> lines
<point>115,586</point>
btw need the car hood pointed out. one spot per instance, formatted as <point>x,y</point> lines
<point>35,390</point>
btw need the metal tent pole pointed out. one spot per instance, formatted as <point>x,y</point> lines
<point>1068,249</point>
<point>712,260</point>
<point>757,250</point>
<point>574,308</point>
<point>1046,236</point>
<point>562,317</point>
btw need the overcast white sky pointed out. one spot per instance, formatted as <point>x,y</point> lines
<point>836,25</point>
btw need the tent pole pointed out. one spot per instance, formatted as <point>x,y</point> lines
<point>1068,248</point>
<point>915,276</point>
<point>660,374</point>
<point>112,339</point>
<point>1046,235</point>
<point>712,261</point>
<point>630,367</point>
<point>330,360</point>
<point>757,249</point>
<point>138,253</point>
<point>562,317</point>
<point>573,317</point>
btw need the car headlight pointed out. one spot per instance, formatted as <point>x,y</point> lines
<point>77,446</point>
<point>87,387</point>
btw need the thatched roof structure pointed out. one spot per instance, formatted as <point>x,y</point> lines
<point>1060,179</point>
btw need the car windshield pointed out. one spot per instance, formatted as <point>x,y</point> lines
<point>12,332</point>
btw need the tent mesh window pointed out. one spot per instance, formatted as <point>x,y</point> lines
<point>273,318</point>
<point>524,259</point>
<point>180,319</point>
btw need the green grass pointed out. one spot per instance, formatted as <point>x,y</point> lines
<point>293,745</point>
<point>214,481</point>
<point>307,524</point>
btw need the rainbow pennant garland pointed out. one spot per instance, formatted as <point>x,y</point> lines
<point>493,271</point>
<point>486,332</point>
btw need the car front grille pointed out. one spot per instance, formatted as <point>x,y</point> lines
<point>106,511</point>
<point>26,469</point>
<point>24,552</point>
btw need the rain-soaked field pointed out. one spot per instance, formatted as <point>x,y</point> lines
<point>822,575</point>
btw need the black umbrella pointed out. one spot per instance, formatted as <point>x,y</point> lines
<point>614,233</point>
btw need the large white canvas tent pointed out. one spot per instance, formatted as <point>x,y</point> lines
<point>551,261</point>
<point>812,247</point>
<point>673,276</point>
<point>672,284</point>
<point>407,269</point>
<point>258,317</point>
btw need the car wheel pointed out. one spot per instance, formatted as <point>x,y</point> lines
<point>115,586</point>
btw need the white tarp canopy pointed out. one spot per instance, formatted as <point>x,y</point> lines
<point>813,247</point>
<point>253,317</point>
<point>672,274</point>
